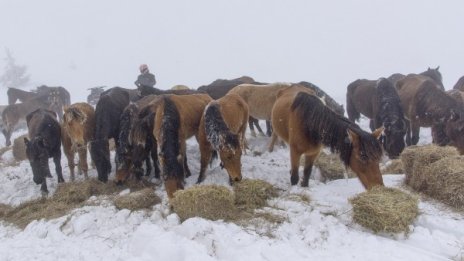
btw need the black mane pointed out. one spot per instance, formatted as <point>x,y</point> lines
<point>170,147</point>
<point>322,125</point>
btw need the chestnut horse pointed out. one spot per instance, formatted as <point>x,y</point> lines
<point>222,128</point>
<point>177,119</point>
<point>45,142</point>
<point>78,128</point>
<point>425,104</point>
<point>306,124</point>
<point>379,101</point>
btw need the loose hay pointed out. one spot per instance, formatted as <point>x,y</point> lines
<point>385,210</point>
<point>330,165</point>
<point>395,167</point>
<point>206,201</point>
<point>19,148</point>
<point>252,193</point>
<point>144,198</point>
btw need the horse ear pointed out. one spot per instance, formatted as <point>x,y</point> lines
<point>438,67</point>
<point>378,132</point>
<point>354,138</point>
<point>26,141</point>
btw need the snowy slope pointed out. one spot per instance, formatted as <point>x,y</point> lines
<point>319,230</point>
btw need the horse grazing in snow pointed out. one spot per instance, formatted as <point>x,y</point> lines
<point>78,129</point>
<point>306,124</point>
<point>222,129</point>
<point>44,143</point>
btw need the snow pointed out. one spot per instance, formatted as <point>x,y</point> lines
<point>321,229</point>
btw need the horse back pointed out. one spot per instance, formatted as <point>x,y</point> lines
<point>234,111</point>
<point>408,87</point>
<point>360,95</point>
<point>108,111</point>
<point>190,108</point>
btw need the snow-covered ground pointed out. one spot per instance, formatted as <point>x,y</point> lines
<point>321,229</point>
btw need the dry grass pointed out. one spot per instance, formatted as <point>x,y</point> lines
<point>67,197</point>
<point>395,167</point>
<point>253,193</point>
<point>142,199</point>
<point>206,201</point>
<point>19,148</point>
<point>330,165</point>
<point>385,210</point>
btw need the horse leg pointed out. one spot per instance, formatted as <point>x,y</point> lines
<point>206,153</point>
<point>309,160</point>
<point>371,125</point>
<point>256,123</point>
<point>148,165</point>
<point>268,128</point>
<point>415,128</point>
<point>7,133</point>
<point>408,133</point>
<point>154,157</point>
<point>273,141</point>
<point>186,167</point>
<point>252,129</point>
<point>58,169</point>
<point>83,161</point>
<point>43,188</point>
<point>295,164</point>
<point>69,153</point>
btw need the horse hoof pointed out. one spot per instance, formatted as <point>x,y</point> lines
<point>305,184</point>
<point>44,194</point>
<point>294,180</point>
<point>118,183</point>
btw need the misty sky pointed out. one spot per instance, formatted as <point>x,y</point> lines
<point>80,44</point>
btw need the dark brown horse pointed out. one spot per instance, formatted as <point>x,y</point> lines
<point>460,84</point>
<point>136,140</point>
<point>177,119</point>
<point>15,94</point>
<point>78,128</point>
<point>219,88</point>
<point>44,143</point>
<point>222,128</point>
<point>425,105</point>
<point>94,95</point>
<point>439,136</point>
<point>379,101</point>
<point>306,124</point>
<point>107,120</point>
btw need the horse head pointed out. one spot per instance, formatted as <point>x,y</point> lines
<point>435,75</point>
<point>393,141</point>
<point>74,123</point>
<point>454,129</point>
<point>37,153</point>
<point>230,153</point>
<point>364,161</point>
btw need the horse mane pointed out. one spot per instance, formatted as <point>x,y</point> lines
<point>170,146</point>
<point>388,101</point>
<point>321,93</point>
<point>125,126</point>
<point>217,132</point>
<point>322,125</point>
<point>74,113</point>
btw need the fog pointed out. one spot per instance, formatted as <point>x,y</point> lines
<point>81,44</point>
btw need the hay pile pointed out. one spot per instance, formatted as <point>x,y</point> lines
<point>206,201</point>
<point>330,165</point>
<point>144,198</point>
<point>19,148</point>
<point>67,197</point>
<point>253,193</point>
<point>395,167</point>
<point>385,210</point>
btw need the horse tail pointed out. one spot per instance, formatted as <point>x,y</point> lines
<point>169,143</point>
<point>353,114</point>
<point>217,132</point>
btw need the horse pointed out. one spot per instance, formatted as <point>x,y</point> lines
<point>147,90</point>
<point>439,136</point>
<point>15,112</point>
<point>107,119</point>
<point>78,128</point>
<point>329,101</point>
<point>379,101</point>
<point>219,88</point>
<point>136,141</point>
<point>45,142</point>
<point>15,94</point>
<point>306,124</point>
<point>459,84</point>
<point>177,118</point>
<point>425,104</point>
<point>222,129</point>
<point>94,95</point>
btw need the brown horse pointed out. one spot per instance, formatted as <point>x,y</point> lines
<point>15,112</point>
<point>439,136</point>
<point>222,128</point>
<point>425,105</point>
<point>15,94</point>
<point>177,119</point>
<point>306,124</point>
<point>78,128</point>
<point>379,101</point>
<point>460,84</point>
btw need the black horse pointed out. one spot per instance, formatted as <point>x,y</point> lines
<point>107,119</point>
<point>44,143</point>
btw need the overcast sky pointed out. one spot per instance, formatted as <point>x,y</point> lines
<point>79,44</point>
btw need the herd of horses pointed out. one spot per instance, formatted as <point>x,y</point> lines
<point>150,126</point>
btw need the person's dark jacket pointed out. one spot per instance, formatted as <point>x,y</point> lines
<point>145,79</point>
